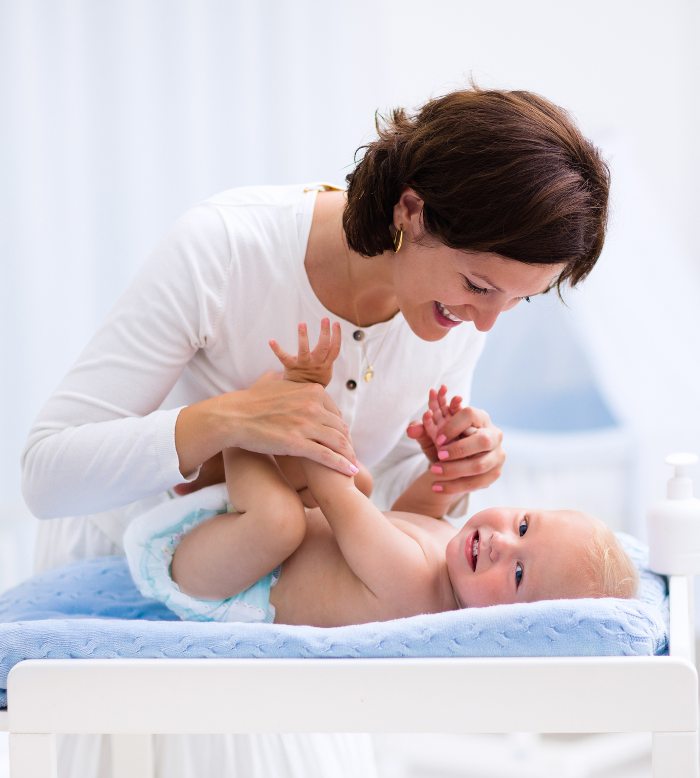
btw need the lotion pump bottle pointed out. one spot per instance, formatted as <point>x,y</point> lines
<point>674,523</point>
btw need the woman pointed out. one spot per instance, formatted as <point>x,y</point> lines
<point>480,200</point>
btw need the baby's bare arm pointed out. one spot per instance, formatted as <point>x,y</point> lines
<point>380,554</point>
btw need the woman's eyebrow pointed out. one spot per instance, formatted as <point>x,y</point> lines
<point>485,280</point>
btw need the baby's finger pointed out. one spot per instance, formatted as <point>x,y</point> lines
<point>334,349</point>
<point>286,359</point>
<point>434,406</point>
<point>324,340</point>
<point>455,405</point>
<point>303,347</point>
<point>445,407</point>
<point>429,424</point>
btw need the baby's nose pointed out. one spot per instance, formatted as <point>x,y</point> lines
<point>502,543</point>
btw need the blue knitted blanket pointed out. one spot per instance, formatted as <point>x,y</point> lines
<point>93,610</point>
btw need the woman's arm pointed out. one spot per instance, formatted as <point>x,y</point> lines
<point>274,416</point>
<point>102,441</point>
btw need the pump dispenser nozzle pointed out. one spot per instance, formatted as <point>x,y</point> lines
<point>674,523</point>
<point>680,487</point>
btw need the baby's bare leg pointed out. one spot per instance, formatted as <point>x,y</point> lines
<point>227,553</point>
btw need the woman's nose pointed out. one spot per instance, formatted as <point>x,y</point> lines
<point>484,317</point>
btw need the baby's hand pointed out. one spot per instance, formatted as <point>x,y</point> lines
<point>311,366</point>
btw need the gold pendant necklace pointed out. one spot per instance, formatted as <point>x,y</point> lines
<point>368,370</point>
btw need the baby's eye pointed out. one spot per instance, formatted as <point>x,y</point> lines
<point>518,574</point>
<point>522,527</point>
<point>470,287</point>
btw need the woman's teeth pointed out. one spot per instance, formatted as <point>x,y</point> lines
<point>475,550</point>
<point>447,314</point>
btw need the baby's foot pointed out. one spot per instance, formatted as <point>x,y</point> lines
<point>439,411</point>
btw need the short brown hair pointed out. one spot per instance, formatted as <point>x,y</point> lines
<point>505,172</point>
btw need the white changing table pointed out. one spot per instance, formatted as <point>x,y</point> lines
<point>133,699</point>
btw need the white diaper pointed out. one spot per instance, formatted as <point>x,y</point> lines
<point>150,542</point>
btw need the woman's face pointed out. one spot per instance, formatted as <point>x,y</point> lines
<point>437,287</point>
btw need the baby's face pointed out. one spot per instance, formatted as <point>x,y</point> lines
<point>506,555</point>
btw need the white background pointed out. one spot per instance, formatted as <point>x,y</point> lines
<point>118,115</point>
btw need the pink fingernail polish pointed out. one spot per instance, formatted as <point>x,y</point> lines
<point>443,454</point>
<point>436,469</point>
<point>438,488</point>
<point>441,439</point>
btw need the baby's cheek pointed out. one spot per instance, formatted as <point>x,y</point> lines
<point>488,589</point>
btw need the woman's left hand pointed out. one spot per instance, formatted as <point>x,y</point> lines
<point>463,444</point>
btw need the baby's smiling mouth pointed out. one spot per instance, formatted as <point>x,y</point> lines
<point>473,550</point>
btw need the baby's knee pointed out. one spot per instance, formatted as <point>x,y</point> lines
<point>287,515</point>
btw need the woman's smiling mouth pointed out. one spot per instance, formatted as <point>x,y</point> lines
<point>445,317</point>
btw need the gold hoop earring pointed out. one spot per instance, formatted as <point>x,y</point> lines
<point>398,240</point>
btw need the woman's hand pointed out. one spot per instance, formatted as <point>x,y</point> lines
<point>463,444</point>
<point>273,416</point>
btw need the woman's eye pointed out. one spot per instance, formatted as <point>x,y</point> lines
<point>518,574</point>
<point>470,287</point>
<point>522,527</point>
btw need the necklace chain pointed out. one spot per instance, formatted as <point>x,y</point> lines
<point>368,369</point>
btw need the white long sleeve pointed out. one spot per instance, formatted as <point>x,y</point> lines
<point>195,324</point>
<point>100,441</point>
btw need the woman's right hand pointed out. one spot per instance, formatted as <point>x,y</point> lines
<point>273,416</point>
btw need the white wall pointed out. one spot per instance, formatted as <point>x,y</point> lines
<point>117,115</point>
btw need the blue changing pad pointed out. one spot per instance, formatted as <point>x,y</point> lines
<point>93,610</point>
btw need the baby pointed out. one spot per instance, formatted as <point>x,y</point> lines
<point>346,562</point>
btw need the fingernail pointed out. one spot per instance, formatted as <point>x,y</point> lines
<point>436,469</point>
<point>443,454</point>
<point>441,439</point>
<point>437,488</point>
<point>354,470</point>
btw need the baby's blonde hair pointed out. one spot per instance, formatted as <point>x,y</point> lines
<point>610,571</point>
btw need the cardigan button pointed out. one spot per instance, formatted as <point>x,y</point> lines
<point>358,335</point>
<point>350,384</point>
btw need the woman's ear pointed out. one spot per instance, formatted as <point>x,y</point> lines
<point>408,213</point>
